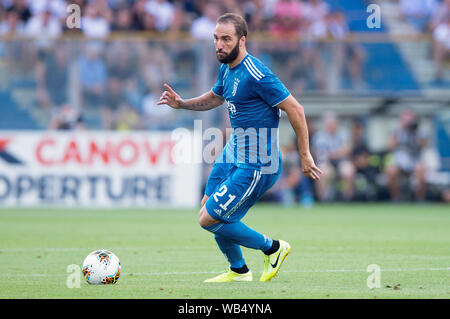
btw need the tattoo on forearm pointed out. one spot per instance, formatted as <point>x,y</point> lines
<point>199,105</point>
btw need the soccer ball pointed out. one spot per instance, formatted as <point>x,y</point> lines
<point>101,267</point>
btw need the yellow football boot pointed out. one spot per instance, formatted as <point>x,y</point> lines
<point>272,263</point>
<point>231,276</point>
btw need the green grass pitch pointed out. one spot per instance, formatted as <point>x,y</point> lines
<point>165,254</point>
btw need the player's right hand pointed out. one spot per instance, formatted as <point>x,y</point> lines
<point>309,168</point>
<point>170,97</point>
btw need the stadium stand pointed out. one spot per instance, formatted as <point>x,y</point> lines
<point>111,69</point>
<point>13,117</point>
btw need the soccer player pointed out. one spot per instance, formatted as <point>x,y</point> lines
<point>250,163</point>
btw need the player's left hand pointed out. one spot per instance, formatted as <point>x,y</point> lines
<point>309,168</point>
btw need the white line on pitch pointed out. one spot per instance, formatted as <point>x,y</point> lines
<point>298,271</point>
<point>215,272</point>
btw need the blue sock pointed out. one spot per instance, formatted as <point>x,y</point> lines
<point>232,251</point>
<point>241,234</point>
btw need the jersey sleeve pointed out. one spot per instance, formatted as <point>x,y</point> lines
<point>272,90</point>
<point>217,89</point>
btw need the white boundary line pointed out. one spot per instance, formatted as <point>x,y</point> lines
<point>215,272</point>
<point>300,271</point>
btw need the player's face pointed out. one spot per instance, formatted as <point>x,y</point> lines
<point>226,43</point>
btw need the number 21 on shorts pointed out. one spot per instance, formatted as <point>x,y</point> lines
<point>222,191</point>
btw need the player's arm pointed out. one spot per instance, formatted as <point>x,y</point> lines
<point>203,102</point>
<point>296,115</point>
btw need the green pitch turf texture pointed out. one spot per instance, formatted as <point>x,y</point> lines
<point>165,254</point>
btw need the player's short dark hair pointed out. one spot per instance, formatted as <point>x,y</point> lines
<point>239,23</point>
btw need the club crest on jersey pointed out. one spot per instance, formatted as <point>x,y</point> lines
<point>231,107</point>
<point>235,86</point>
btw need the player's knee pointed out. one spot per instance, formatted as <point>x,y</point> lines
<point>203,222</point>
<point>205,219</point>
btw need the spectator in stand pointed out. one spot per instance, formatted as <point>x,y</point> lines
<point>118,4</point>
<point>288,184</point>
<point>126,118</point>
<point>181,22</point>
<point>121,62</point>
<point>95,22</point>
<point>162,11</point>
<point>44,26</point>
<point>417,12</point>
<point>286,18</point>
<point>113,100</point>
<point>52,77</point>
<point>332,150</point>
<point>93,75</point>
<point>189,6</point>
<point>138,11</point>
<point>292,187</point>
<point>149,22</point>
<point>157,117</point>
<point>254,15</point>
<point>441,48</point>
<point>314,28</point>
<point>12,25</point>
<point>284,24</point>
<point>365,174</point>
<point>358,140</point>
<point>105,9</point>
<point>81,3</point>
<point>203,27</point>
<point>315,11</point>
<point>346,55</point>
<point>406,145</point>
<point>440,14</point>
<point>123,20</point>
<point>155,67</point>
<point>250,8</point>
<point>232,6</point>
<point>122,68</point>
<point>268,8</point>
<point>56,7</point>
<point>314,25</point>
<point>66,118</point>
<point>22,8</point>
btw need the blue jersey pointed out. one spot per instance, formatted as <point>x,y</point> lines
<point>252,92</point>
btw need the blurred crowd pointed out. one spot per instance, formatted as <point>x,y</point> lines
<point>100,17</point>
<point>424,15</point>
<point>431,16</point>
<point>308,18</point>
<point>354,172</point>
<point>120,81</point>
<point>118,85</point>
<point>307,65</point>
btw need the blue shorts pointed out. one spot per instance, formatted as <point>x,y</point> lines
<point>233,190</point>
